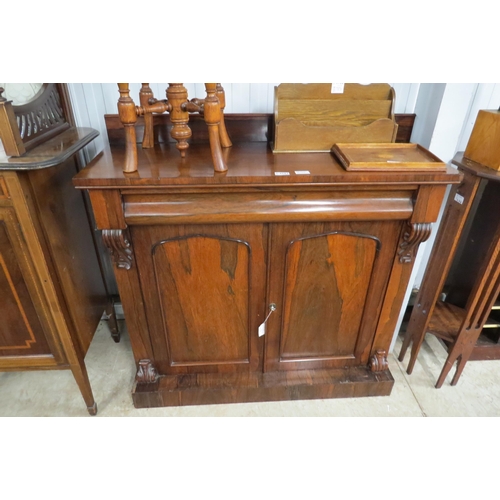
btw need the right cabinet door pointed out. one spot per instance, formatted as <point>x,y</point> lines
<point>327,281</point>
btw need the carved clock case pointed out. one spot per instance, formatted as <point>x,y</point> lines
<point>282,278</point>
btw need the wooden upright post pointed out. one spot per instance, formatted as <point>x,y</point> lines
<point>128,116</point>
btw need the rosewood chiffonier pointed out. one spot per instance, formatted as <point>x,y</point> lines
<point>281,278</point>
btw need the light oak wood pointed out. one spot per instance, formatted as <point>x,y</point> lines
<point>309,117</point>
<point>178,106</point>
<point>391,157</point>
<point>484,143</point>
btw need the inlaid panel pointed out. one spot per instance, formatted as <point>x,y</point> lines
<point>203,289</point>
<point>326,285</point>
<point>20,328</point>
<point>4,194</point>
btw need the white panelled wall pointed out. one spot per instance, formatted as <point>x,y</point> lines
<point>91,101</point>
<point>446,113</point>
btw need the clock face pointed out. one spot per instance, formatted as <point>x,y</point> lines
<point>21,93</point>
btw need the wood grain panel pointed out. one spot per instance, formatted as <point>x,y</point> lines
<point>70,242</point>
<point>199,278</point>
<point>338,113</point>
<point>204,294</point>
<point>274,207</point>
<point>326,285</point>
<point>345,295</point>
<point>20,328</point>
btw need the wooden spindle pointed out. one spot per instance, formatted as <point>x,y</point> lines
<point>212,114</point>
<point>177,96</point>
<point>128,116</point>
<point>145,94</point>
<point>225,141</point>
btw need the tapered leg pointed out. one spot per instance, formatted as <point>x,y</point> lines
<point>404,347</point>
<point>462,361</point>
<point>212,113</point>
<point>128,116</point>
<point>225,141</point>
<point>415,348</point>
<point>145,94</point>
<point>82,379</point>
<point>112,321</point>
<point>453,355</point>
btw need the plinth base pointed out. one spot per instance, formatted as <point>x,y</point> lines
<point>223,388</point>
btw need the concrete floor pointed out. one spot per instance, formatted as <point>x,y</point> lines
<point>111,372</point>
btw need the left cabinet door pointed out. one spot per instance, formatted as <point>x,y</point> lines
<point>21,331</point>
<point>204,290</point>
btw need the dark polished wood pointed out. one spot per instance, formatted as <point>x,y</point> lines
<point>51,287</point>
<point>464,271</point>
<point>317,261</point>
<point>35,122</point>
<point>207,388</point>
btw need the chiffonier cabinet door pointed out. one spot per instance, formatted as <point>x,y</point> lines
<point>204,292</point>
<point>21,332</point>
<point>327,281</point>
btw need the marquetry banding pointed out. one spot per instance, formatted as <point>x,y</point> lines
<point>32,339</point>
<point>4,193</point>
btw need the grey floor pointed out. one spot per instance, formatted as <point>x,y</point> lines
<point>111,372</point>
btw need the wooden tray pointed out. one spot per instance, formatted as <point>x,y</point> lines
<point>388,157</point>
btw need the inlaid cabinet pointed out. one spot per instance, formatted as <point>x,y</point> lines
<point>281,278</point>
<point>52,292</point>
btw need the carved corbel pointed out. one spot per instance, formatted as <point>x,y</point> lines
<point>415,234</point>
<point>146,372</point>
<point>378,362</point>
<point>118,244</point>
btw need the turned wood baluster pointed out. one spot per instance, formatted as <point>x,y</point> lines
<point>128,116</point>
<point>177,96</point>
<point>225,141</point>
<point>145,94</point>
<point>212,113</point>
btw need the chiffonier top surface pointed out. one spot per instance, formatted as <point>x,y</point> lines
<point>249,163</point>
<point>53,152</point>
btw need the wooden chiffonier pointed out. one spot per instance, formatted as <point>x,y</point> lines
<point>203,259</point>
